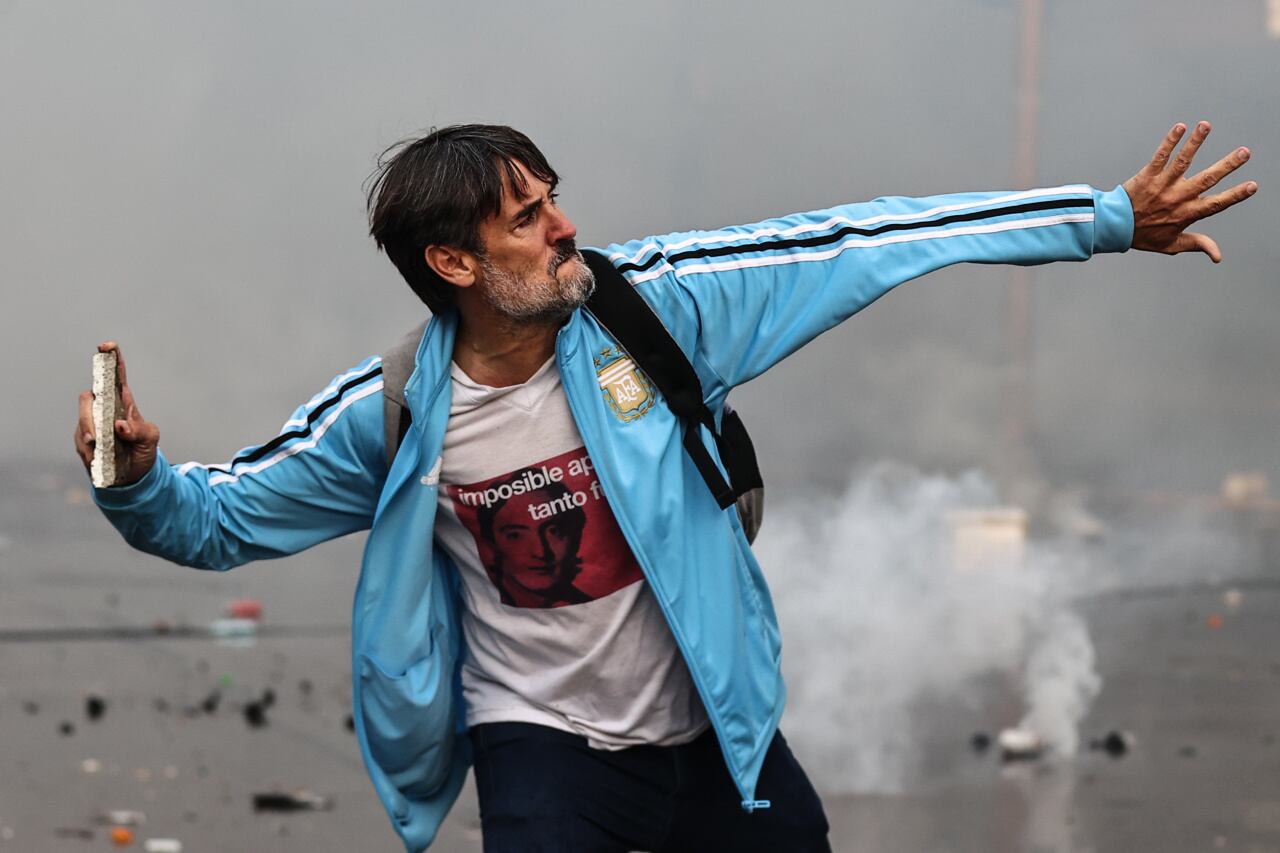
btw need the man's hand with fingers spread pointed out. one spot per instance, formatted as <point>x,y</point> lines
<point>139,437</point>
<point>1165,202</point>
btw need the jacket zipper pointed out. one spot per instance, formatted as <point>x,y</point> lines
<point>624,523</point>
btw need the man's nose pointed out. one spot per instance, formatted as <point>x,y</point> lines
<point>562,228</point>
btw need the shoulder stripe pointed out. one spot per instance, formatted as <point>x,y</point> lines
<point>751,236</point>
<point>794,258</point>
<point>853,230</point>
<point>300,446</point>
<point>302,427</point>
<point>362,369</point>
<point>262,450</point>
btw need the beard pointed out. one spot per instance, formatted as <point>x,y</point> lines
<point>530,299</point>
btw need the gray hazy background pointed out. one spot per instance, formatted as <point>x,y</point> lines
<point>186,178</point>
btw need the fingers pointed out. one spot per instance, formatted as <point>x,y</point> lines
<point>108,346</point>
<point>83,450</point>
<point>84,435</point>
<point>1161,158</point>
<point>138,432</point>
<point>1182,162</point>
<point>126,400</point>
<point>1189,241</point>
<point>127,426</point>
<point>134,430</point>
<point>133,427</point>
<point>1209,178</point>
<point>1164,203</point>
<point>84,426</point>
<point>1221,201</point>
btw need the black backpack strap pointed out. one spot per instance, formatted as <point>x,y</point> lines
<point>623,311</point>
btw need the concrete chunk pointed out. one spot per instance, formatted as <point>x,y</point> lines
<point>108,407</point>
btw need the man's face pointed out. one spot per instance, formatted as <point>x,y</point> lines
<point>531,269</point>
<point>534,555</point>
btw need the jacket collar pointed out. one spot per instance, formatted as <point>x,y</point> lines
<point>435,352</point>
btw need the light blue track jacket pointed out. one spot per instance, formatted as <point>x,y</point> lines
<point>737,301</point>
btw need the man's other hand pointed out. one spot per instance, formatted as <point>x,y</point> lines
<point>139,437</point>
<point>1165,203</point>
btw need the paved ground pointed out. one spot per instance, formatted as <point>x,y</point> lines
<point>1201,701</point>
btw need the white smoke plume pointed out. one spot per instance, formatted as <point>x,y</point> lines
<point>882,634</point>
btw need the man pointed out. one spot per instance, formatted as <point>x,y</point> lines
<point>646,717</point>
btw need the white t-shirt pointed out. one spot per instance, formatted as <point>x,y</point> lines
<point>561,628</point>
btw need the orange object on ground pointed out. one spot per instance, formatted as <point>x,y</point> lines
<point>245,608</point>
<point>121,836</point>
<point>1214,621</point>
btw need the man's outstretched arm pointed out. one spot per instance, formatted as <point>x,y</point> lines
<point>743,298</point>
<point>317,479</point>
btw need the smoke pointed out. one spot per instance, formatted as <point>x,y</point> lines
<point>894,651</point>
<point>1059,680</point>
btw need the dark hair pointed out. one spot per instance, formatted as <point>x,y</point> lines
<point>437,189</point>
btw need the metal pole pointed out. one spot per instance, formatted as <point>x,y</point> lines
<point>1018,464</point>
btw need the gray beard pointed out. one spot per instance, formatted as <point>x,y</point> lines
<point>538,301</point>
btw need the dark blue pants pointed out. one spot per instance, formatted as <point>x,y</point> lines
<point>542,789</point>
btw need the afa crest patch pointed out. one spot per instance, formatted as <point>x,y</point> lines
<point>625,387</point>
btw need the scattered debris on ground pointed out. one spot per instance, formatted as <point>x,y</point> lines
<point>1019,745</point>
<point>243,608</point>
<point>291,801</point>
<point>255,714</point>
<point>122,817</point>
<point>1116,743</point>
<point>234,632</point>
<point>210,703</point>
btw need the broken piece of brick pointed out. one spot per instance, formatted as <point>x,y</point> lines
<point>108,407</point>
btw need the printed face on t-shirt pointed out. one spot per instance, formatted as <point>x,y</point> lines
<point>537,556</point>
<point>545,533</point>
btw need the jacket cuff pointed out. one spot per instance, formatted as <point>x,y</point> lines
<point>1112,221</point>
<point>135,494</point>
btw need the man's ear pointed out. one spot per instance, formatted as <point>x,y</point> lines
<point>454,265</point>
